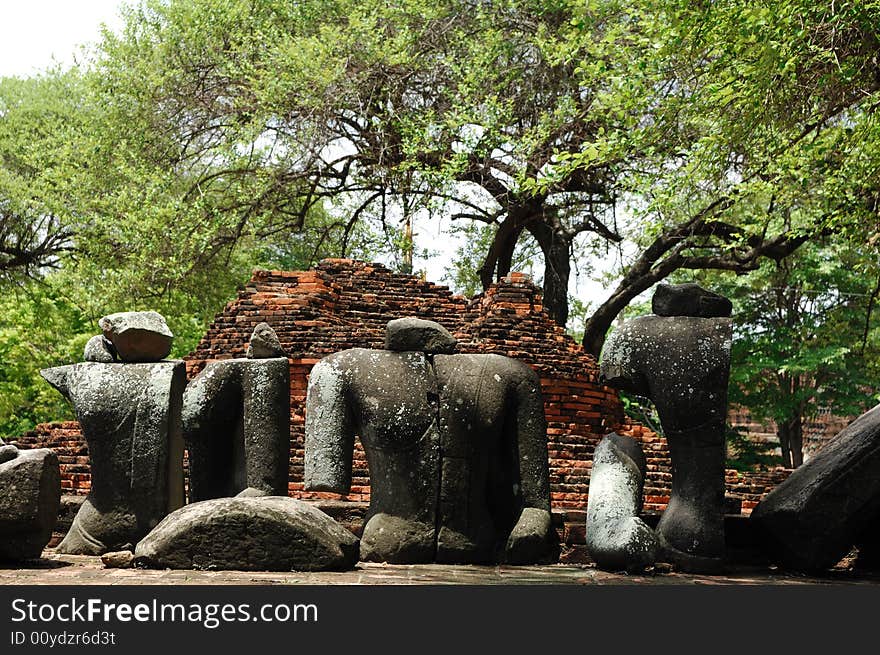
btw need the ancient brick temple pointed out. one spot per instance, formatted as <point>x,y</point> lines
<point>344,304</point>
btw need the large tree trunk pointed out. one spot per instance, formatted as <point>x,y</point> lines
<point>556,247</point>
<point>505,254</point>
<point>791,441</point>
<point>498,260</point>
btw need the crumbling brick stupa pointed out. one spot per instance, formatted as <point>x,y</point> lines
<point>345,304</point>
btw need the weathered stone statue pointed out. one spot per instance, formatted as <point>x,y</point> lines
<point>810,521</point>
<point>130,417</point>
<point>456,446</point>
<point>30,492</point>
<point>236,423</point>
<point>617,538</point>
<point>681,361</point>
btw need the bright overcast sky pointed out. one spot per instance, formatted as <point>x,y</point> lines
<point>33,33</point>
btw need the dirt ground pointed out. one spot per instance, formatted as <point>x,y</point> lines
<point>56,569</point>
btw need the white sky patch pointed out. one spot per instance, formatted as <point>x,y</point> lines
<point>37,34</point>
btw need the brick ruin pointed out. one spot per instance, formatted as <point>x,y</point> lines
<point>343,304</point>
<point>818,430</point>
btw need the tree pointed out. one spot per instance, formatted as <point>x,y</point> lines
<point>530,116</point>
<point>38,328</point>
<point>760,137</point>
<point>89,225</point>
<point>806,338</point>
<point>37,118</point>
<point>395,105</point>
<point>226,123</point>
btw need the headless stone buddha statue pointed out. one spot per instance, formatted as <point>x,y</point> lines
<point>236,423</point>
<point>127,399</point>
<point>455,443</point>
<point>679,357</point>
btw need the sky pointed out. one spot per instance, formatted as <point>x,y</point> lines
<point>38,34</point>
<point>34,34</point>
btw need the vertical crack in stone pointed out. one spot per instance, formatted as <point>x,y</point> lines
<point>434,403</point>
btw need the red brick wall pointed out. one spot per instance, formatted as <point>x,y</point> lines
<point>66,440</point>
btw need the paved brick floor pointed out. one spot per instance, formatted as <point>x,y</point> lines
<point>56,569</point>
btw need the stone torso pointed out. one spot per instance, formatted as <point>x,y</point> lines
<point>432,430</point>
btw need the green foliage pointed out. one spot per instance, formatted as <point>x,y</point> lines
<point>806,334</point>
<point>124,233</point>
<point>210,137</point>
<point>744,454</point>
<point>641,410</point>
<point>807,320</point>
<point>39,327</point>
<point>39,120</point>
<point>276,107</point>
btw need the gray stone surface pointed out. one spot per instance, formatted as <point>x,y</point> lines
<point>416,334</point>
<point>832,501</point>
<point>617,539</point>
<point>236,425</point>
<point>130,417</point>
<point>264,343</point>
<point>682,364</point>
<point>456,446</point>
<point>99,349</point>
<point>7,452</point>
<point>81,570</point>
<point>689,300</point>
<point>531,539</point>
<point>249,534</point>
<point>137,336</point>
<point>30,493</point>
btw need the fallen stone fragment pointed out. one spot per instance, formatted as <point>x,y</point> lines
<point>810,521</point>
<point>120,559</point>
<point>689,300</point>
<point>138,336</point>
<point>617,539</point>
<point>99,349</point>
<point>264,343</point>
<point>30,493</point>
<point>418,335</point>
<point>273,533</point>
<point>7,452</point>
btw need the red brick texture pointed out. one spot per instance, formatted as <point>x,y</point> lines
<point>344,304</point>
<point>66,439</point>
